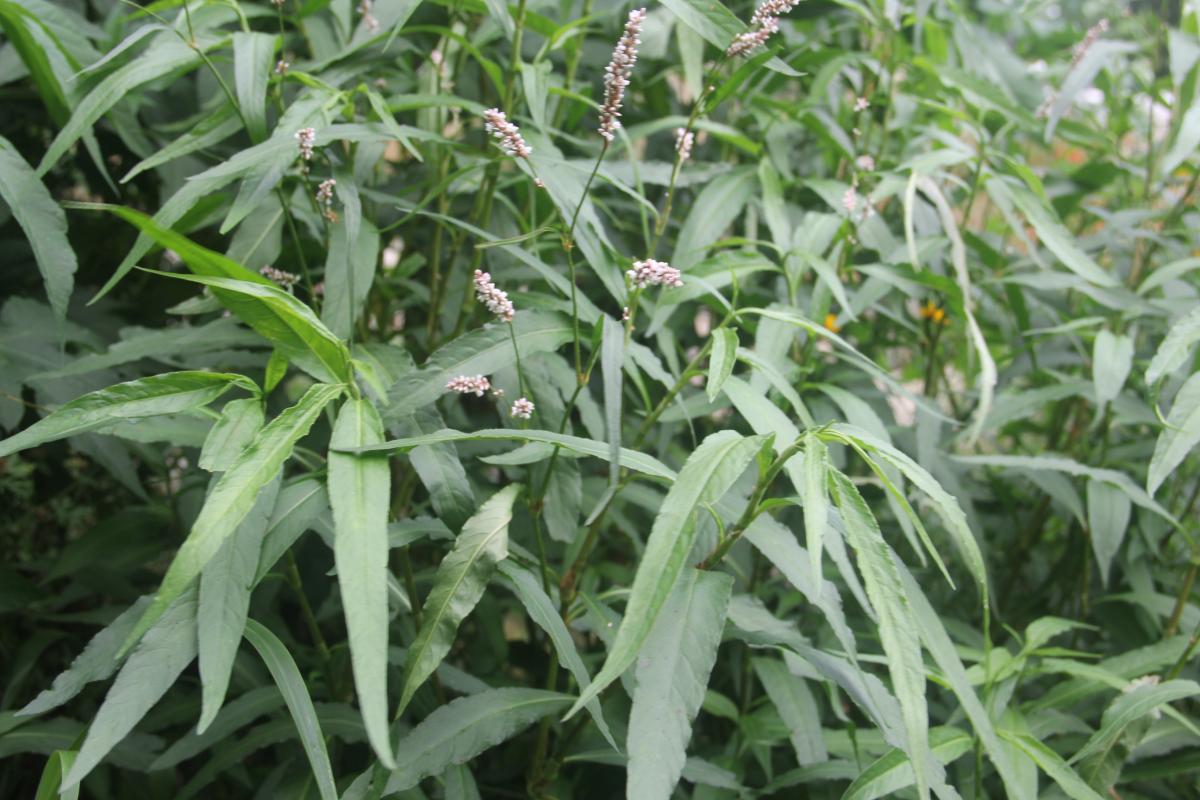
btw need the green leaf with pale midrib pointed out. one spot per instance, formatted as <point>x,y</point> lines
<point>673,673</point>
<point>234,496</point>
<point>169,393</point>
<point>462,729</point>
<point>637,461</point>
<point>287,677</point>
<point>706,476</point>
<point>460,582</point>
<point>359,490</point>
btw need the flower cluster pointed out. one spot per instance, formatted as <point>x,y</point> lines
<point>654,273</point>
<point>616,74</point>
<point>865,162</point>
<point>493,297</point>
<point>861,104</point>
<point>369,20</point>
<point>325,192</point>
<point>932,312</point>
<point>684,139</point>
<point>285,279</point>
<point>763,24</point>
<point>306,138</point>
<point>1089,39</point>
<point>522,408</point>
<point>282,66</point>
<point>506,133</point>
<point>465,384</point>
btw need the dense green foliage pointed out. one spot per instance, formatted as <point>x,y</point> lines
<point>400,402</point>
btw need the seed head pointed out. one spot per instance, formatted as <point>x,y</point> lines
<point>616,74</point>
<point>522,408</point>
<point>506,134</point>
<point>465,384</point>
<point>654,273</point>
<point>325,192</point>
<point>491,296</point>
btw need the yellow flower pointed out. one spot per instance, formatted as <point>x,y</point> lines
<point>931,311</point>
<point>831,323</point>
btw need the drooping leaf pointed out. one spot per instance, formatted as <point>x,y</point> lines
<point>460,581</point>
<point>234,496</point>
<point>1112,359</point>
<point>893,771</point>
<point>1175,348</point>
<point>96,663</point>
<point>897,628</point>
<point>155,664</point>
<point>43,222</point>
<point>1053,765</point>
<point>797,708</point>
<point>291,685</point>
<point>706,476</point>
<point>632,459</point>
<point>169,393</point>
<point>542,611</point>
<point>58,765</point>
<point>462,729</point>
<point>672,675</point>
<point>612,362</point>
<point>225,586</point>
<point>359,491</point>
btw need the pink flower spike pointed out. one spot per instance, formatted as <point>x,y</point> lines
<point>491,296</point>
<point>506,134</point>
<point>616,74</point>
<point>654,273</point>
<point>522,408</point>
<point>465,384</point>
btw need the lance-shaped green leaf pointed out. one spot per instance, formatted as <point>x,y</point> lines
<point>170,393</point>
<point>359,489</point>
<point>168,647</point>
<point>225,587</point>
<point>240,422</point>
<point>612,363</point>
<point>1179,437</point>
<point>233,497</point>
<point>458,585</point>
<point>281,318</point>
<point>1108,511</point>
<point>639,462</point>
<point>480,352</point>
<point>458,731</point>
<point>1053,765</point>
<point>672,676</point>
<point>252,56</point>
<point>1130,707</point>
<point>897,627</point>
<point>43,222</point>
<point>816,500</point>
<point>542,611</point>
<point>1175,347</point>
<point>58,765</point>
<point>893,771</point>
<point>97,662</point>
<point>721,361</point>
<point>276,315</point>
<point>291,685</point>
<point>706,476</point>
<point>797,708</point>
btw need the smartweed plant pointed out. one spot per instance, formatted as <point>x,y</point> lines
<point>571,399</point>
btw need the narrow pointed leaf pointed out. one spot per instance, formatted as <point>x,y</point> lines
<point>1180,436</point>
<point>672,677</point>
<point>706,476</point>
<point>612,362</point>
<point>234,496</point>
<point>287,677</point>
<point>44,224</point>
<point>796,707</point>
<point>359,491</point>
<point>460,581</point>
<point>462,729</point>
<point>816,500</point>
<point>897,627</point>
<point>169,393</point>
<point>225,587</point>
<point>153,667</point>
<point>720,363</point>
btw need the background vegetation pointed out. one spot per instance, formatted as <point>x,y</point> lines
<point>836,432</point>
